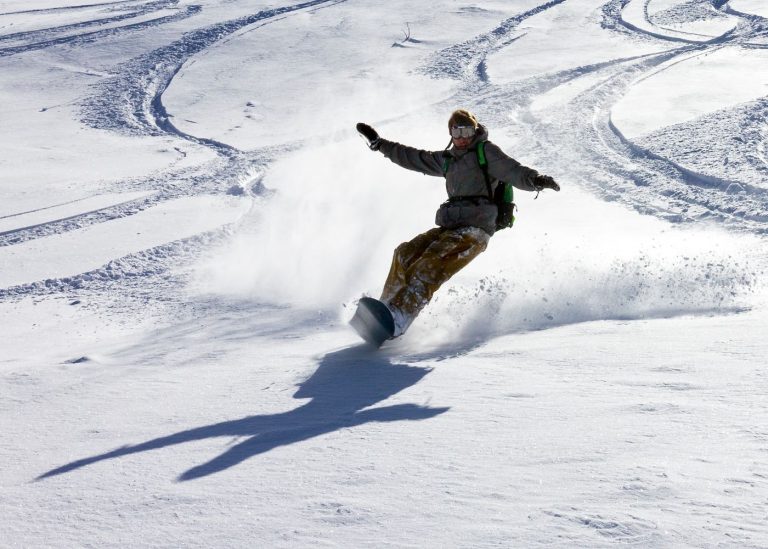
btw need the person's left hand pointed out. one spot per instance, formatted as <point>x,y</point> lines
<point>545,182</point>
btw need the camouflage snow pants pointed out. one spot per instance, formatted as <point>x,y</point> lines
<point>421,266</point>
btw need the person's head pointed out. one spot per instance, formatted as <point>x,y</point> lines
<point>462,125</point>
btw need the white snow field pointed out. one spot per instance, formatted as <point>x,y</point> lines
<point>187,218</point>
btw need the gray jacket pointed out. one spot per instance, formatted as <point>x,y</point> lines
<point>464,178</point>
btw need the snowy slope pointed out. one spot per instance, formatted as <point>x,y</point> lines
<point>187,217</point>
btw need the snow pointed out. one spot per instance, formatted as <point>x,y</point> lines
<point>18,27</point>
<point>635,15</point>
<point>54,212</point>
<point>754,7</point>
<point>41,115</point>
<point>82,250</point>
<point>315,47</point>
<point>681,91</point>
<point>187,218</point>
<point>570,45</point>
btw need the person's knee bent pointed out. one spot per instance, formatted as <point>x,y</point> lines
<point>401,253</point>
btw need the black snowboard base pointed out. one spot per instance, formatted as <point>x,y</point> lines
<point>373,321</point>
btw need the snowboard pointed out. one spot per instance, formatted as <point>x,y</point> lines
<point>373,321</point>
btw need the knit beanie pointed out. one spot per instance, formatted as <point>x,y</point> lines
<point>462,117</point>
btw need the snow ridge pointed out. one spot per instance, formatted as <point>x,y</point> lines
<point>646,181</point>
<point>36,40</point>
<point>115,4</point>
<point>465,61</point>
<point>131,102</point>
<point>596,378</point>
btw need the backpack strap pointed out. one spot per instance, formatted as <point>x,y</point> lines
<point>446,162</point>
<point>483,161</point>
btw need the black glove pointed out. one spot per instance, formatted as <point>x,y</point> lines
<point>370,135</point>
<point>541,182</point>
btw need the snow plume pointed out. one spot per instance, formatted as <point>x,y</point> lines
<point>654,283</point>
<point>326,234</point>
<point>636,268</point>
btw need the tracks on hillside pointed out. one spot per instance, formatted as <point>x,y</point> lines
<point>577,134</point>
<point>130,103</point>
<point>106,22</point>
<point>577,139</point>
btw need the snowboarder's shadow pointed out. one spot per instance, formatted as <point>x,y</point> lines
<point>342,390</point>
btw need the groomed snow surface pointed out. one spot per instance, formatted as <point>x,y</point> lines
<point>187,218</point>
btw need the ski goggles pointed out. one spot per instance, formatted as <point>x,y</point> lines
<point>463,131</point>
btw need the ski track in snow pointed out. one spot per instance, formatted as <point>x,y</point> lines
<point>601,157</point>
<point>131,103</point>
<point>58,9</point>
<point>466,61</point>
<point>94,29</point>
<point>351,388</point>
<point>637,173</point>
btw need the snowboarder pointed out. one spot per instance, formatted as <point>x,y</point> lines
<point>477,175</point>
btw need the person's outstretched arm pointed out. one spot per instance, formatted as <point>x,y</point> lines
<point>426,162</point>
<point>504,168</point>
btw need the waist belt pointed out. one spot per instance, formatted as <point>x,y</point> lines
<point>475,199</point>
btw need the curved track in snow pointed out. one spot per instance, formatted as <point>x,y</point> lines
<point>137,17</point>
<point>605,393</point>
<point>131,103</point>
<point>580,133</point>
<point>132,100</point>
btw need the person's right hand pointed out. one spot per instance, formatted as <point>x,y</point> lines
<point>370,135</point>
